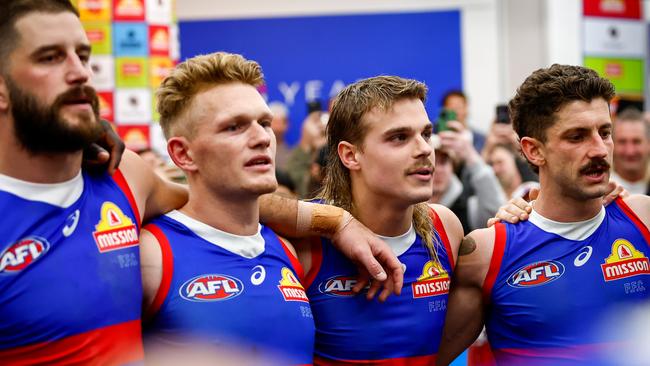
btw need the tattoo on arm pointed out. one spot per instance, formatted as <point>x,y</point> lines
<point>467,246</point>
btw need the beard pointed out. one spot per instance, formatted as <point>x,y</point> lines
<point>41,128</point>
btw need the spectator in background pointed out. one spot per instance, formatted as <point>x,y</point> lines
<point>476,195</point>
<point>456,101</point>
<point>317,172</point>
<point>632,151</point>
<point>312,138</point>
<point>503,161</point>
<point>280,125</point>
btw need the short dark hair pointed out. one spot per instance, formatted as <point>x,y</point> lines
<point>12,10</point>
<point>453,93</point>
<point>631,114</point>
<point>546,91</point>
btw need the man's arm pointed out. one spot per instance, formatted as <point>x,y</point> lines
<point>301,219</point>
<point>151,267</point>
<point>153,195</point>
<point>465,309</point>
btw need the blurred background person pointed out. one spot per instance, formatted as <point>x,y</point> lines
<point>286,187</point>
<point>473,193</point>
<point>631,151</point>
<point>279,125</point>
<point>503,161</point>
<point>456,101</point>
<point>312,138</point>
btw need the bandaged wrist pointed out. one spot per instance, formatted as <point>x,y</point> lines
<point>318,219</point>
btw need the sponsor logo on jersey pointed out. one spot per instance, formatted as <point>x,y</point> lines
<point>536,274</point>
<point>291,288</point>
<point>22,253</point>
<point>211,287</point>
<point>114,229</point>
<point>624,261</point>
<point>434,281</point>
<point>339,286</point>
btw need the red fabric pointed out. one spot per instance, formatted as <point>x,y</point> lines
<point>119,179</point>
<point>167,271</point>
<point>440,229</point>
<point>495,262</point>
<point>405,361</point>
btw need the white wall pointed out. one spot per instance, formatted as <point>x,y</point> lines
<point>503,41</point>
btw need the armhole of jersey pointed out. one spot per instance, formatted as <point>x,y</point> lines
<point>297,267</point>
<point>316,249</point>
<point>440,229</point>
<point>119,179</point>
<point>167,272</point>
<point>495,262</point>
<point>635,219</point>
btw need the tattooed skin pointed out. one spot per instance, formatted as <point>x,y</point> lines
<point>467,246</point>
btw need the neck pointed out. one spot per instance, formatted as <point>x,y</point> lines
<point>553,205</point>
<point>19,163</point>
<point>235,214</point>
<point>381,215</point>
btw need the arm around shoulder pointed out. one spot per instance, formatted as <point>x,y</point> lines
<point>153,195</point>
<point>151,267</point>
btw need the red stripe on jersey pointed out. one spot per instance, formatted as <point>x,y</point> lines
<point>167,271</point>
<point>112,345</point>
<point>316,260</point>
<point>402,361</point>
<point>440,229</point>
<point>294,261</point>
<point>119,179</point>
<point>495,262</point>
<point>635,219</point>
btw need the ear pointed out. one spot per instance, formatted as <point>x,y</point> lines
<point>534,151</point>
<point>4,95</point>
<point>178,148</point>
<point>348,154</point>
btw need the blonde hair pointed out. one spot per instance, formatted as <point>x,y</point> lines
<point>345,124</point>
<point>194,75</point>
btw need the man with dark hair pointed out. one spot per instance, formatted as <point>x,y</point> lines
<point>547,289</point>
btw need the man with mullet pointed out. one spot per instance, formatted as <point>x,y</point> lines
<point>380,168</point>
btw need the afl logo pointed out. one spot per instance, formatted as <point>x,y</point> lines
<point>211,287</point>
<point>22,253</point>
<point>340,286</point>
<point>536,274</point>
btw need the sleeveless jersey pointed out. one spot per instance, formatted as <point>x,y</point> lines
<point>557,301</point>
<point>404,330</point>
<point>223,299</point>
<point>70,287</point>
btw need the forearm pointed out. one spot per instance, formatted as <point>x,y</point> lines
<point>301,219</point>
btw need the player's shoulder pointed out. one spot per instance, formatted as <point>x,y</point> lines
<point>640,205</point>
<point>449,220</point>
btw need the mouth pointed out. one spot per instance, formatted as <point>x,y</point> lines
<point>595,171</point>
<point>259,161</point>
<point>423,173</point>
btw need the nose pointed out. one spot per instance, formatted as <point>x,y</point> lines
<point>78,71</point>
<point>261,137</point>
<point>424,147</point>
<point>599,147</point>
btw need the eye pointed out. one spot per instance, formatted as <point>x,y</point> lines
<point>574,138</point>
<point>605,134</point>
<point>398,137</point>
<point>265,123</point>
<point>233,127</point>
<point>427,134</point>
<point>49,58</point>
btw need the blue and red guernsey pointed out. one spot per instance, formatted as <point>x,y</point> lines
<point>229,292</point>
<point>556,291</point>
<point>405,330</point>
<point>70,287</point>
